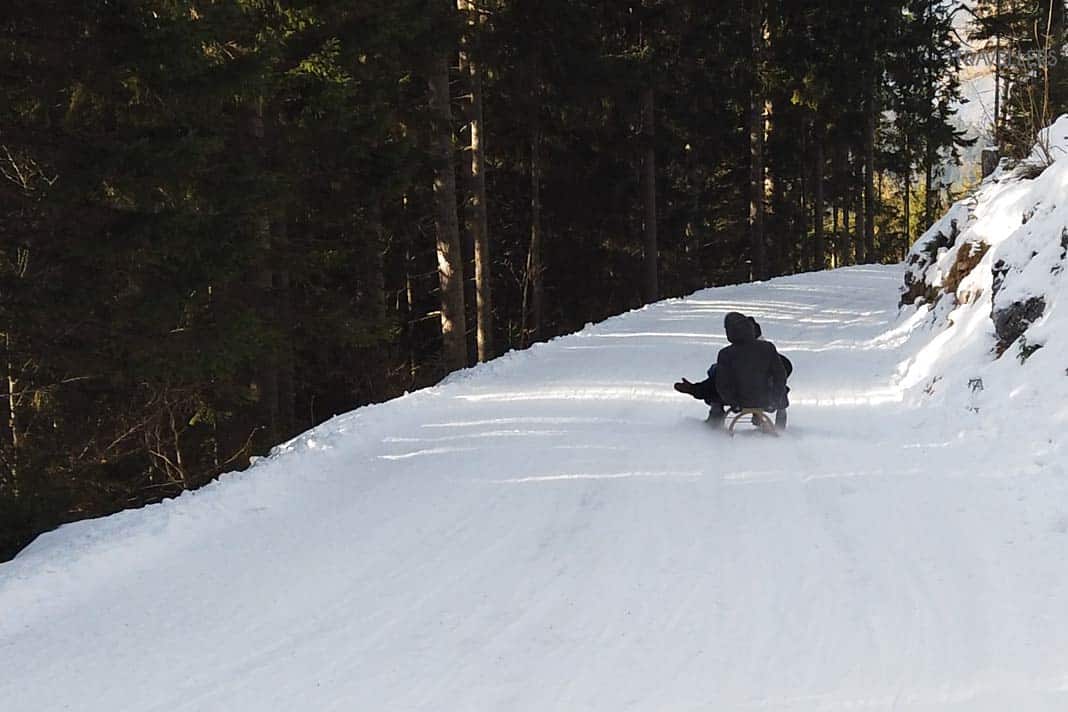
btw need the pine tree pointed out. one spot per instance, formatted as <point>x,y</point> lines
<point>923,87</point>
<point>1032,76</point>
<point>223,224</point>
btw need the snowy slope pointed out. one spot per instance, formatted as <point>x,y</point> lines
<point>559,530</point>
<point>993,271</point>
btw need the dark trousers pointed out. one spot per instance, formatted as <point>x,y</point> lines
<point>706,390</point>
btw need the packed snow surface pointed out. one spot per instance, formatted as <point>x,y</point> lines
<point>559,530</point>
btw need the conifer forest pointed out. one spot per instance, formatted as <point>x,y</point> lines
<point>223,222</point>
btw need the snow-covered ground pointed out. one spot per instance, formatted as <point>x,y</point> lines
<point>559,530</point>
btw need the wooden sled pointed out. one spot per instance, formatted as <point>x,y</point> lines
<point>760,419</point>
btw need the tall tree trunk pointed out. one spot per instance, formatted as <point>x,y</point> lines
<point>533,284</point>
<point>907,214</point>
<point>869,176</point>
<point>802,260</point>
<point>479,223</point>
<point>374,269</point>
<point>997,81</point>
<point>859,252</point>
<point>372,302</point>
<point>650,286</point>
<point>776,109</point>
<point>408,302</point>
<point>928,183</point>
<point>835,230</point>
<point>819,254</point>
<point>775,224</point>
<point>14,471</point>
<point>287,396</point>
<point>779,191</point>
<point>791,225</point>
<point>756,144</point>
<point>1053,60</point>
<point>265,375</point>
<point>835,251</point>
<point>846,241</point>
<point>446,221</point>
<point>1045,47</point>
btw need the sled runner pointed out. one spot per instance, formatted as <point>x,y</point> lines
<point>759,419</point>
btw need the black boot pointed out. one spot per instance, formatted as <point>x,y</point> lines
<point>716,416</point>
<point>686,387</point>
<point>780,419</point>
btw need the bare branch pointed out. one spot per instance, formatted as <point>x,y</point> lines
<point>36,389</point>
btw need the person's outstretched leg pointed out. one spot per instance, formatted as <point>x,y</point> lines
<point>702,390</point>
<point>705,390</point>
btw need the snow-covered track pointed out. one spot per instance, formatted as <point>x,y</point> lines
<point>559,530</point>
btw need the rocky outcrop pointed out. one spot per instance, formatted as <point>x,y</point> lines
<point>1010,322</point>
<point>986,300</point>
<point>920,283</point>
<point>969,256</point>
<point>1003,250</point>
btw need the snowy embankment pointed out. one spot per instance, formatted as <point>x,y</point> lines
<point>559,530</point>
<point>991,271</point>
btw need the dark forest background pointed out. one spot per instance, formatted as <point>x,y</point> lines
<point>224,221</point>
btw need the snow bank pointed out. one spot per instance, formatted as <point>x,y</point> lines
<point>987,280</point>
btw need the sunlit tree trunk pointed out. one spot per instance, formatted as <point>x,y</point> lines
<point>12,464</point>
<point>478,222</point>
<point>835,252</point>
<point>846,239</point>
<point>446,220</point>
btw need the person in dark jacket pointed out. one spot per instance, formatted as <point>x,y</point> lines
<point>749,373</point>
